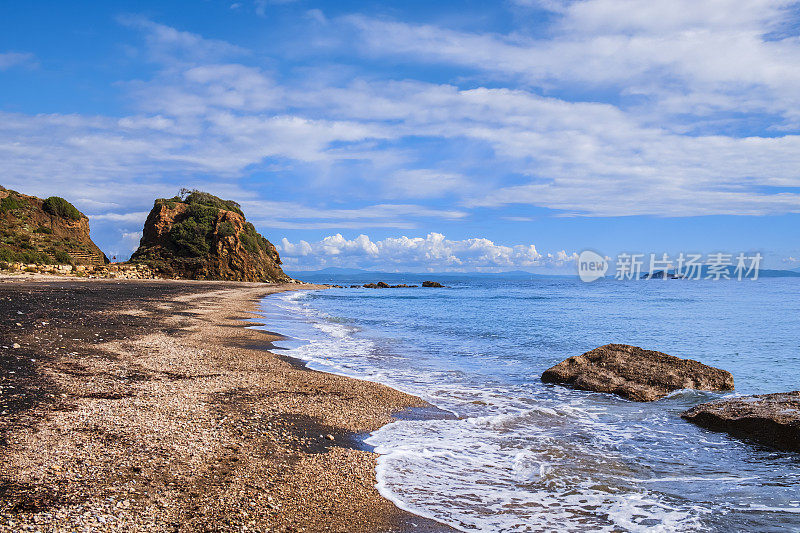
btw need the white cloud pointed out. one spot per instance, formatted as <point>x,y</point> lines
<point>132,238</point>
<point>138,216</point>
<point>433,252</point>
<point>425,183</point>
<point>262,5</point>
<point>292,215</point>
<point>695,57</point>
<point>205,115</point>
<point>168,44</point>
<point>13,59</point>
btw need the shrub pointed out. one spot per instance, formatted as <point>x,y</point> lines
<point>209,200</point>
<point>190,237</point>
<point>9,203</point>
<point>10,256</point>
<point>169,203</point>
<point>59,207</point>
<point>249,243</point>
<point>204,215</point>
<point>251,240</point>
<point>43,229</point>
<point>226,229</point>
<point>63,258</point>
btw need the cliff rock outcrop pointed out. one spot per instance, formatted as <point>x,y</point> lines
<point>204,237</point>
<point>50,231</point>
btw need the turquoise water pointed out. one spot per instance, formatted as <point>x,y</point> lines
<point>519,455</point>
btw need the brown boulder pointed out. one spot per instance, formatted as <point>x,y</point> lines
<point>771,419</point>
<point>636,374</point>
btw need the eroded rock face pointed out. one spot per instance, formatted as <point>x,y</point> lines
<point>771,419</point>
<point>204,237</point>
<point>33,234</point>
<point>636,374</point>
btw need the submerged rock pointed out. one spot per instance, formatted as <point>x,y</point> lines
<point>771,419</point>
<point>636,374</point>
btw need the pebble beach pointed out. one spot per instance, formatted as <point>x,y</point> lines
<point>144,405</point>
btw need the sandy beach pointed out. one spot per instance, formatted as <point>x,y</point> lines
<point>150,406</point>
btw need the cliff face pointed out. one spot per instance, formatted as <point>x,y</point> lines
<point>204,237</point>
<point>44,231</point>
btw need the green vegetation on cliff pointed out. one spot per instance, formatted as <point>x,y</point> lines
<point>10,203</point>
<point>193,235</point>
<point>55,205</point>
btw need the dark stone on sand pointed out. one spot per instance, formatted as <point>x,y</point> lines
<point>636,374</point>
<point>432,284</point>
<point>770,419</point>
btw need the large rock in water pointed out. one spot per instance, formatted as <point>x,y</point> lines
<point>636,374</point>
<point>771,419</point>
<point>205,237</point>
<point>44,231</point>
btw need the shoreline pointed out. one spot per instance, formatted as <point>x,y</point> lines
<point>150,404</point>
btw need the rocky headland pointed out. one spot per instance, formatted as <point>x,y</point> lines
<point>199,236</point>
<point>48,231</point>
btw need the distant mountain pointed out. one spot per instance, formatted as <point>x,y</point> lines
<point>337,270</point>
<point>336,273</point>
<point>704,272</point>
<point>767,273</point>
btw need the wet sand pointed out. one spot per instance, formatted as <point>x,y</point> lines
<point>148,406</point>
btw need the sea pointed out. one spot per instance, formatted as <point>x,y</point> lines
<point>503,451</point>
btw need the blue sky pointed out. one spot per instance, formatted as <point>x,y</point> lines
<point>418,135</point>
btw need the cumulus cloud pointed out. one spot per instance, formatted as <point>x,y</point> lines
<point>433,252</point>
